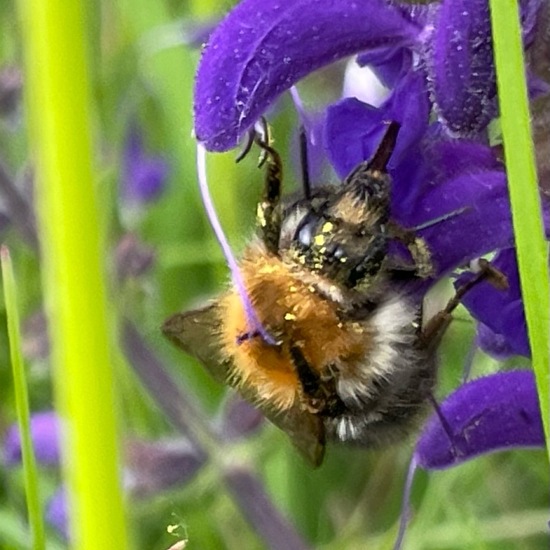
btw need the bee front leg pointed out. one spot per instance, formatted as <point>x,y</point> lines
<point>417,247</point>
<point>268,213</point>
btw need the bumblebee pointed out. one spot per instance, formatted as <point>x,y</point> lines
<point>335,351</point>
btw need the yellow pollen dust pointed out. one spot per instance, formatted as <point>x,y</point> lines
<point>290,317</point>
<point>319,240</point>
<point>327,227</point>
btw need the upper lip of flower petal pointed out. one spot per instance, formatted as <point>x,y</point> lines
<point>262,48</point>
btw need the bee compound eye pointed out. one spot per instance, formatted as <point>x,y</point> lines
<point>306,230</point>
<point>304,235</point>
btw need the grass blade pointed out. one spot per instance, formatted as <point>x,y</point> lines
<point>532,248</point>
<point>34,505</point>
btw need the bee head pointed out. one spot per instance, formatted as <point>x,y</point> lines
<point>342,234</point>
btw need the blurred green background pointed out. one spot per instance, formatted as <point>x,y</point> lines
<point>143,72</point>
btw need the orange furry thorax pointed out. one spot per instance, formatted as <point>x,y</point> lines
<point>295,314</point>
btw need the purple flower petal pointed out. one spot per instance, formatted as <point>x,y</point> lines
<point>144,176</point>
<point>354,129</point>
<point>493,413</point>
<point>263,48</point>
<point>461,63</point>
<point>45,437</point>
<point>462,68</point>
<point>389,64</point>
<point>484,300</point>
<point>475,218</point>
<point>493,344</point>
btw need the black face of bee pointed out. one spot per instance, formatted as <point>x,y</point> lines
<point>345,237</point>
<point>343,233</point>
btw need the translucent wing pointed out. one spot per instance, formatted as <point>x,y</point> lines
<point>196,333</point>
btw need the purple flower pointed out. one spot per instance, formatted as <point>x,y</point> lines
<point>501,311</point>
<point>492,344</point>
<point>452,192</point>
<point>45,436</point>
<point>262,48</point>
<point>143,175</point>
<point>460,62</point>
<point>56,512</point>
<point>494,413</point>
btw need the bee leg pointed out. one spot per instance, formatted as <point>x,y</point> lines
<point>309,379</point>
<point>319,392</point>
<point>420,253</point>
<point>437,325</point>
<point>268,213</point>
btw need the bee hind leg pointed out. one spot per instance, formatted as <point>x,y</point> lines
<point>435,328</point>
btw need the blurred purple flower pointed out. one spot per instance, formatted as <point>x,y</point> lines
<point>154,466</point>
<point>143,176</point>
<point>240,419</point>
<point>133,258</point>
<point>56,512</point>
<point>45,436</point>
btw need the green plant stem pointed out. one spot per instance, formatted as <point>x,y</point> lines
<point>58,88</point>
<point>34,505</point>
<point>531,245</point>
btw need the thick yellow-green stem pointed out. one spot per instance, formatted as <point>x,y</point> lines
<point>72,257</point>
<point>532,248</point>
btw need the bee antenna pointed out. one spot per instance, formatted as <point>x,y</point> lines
<point>382,155</point>
<point>303,137</point>
<point>442,218</point>
<point>254,324</point>
<point>304,163</point>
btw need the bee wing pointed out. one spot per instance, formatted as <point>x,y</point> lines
<point>306,431</point>
<point>196,333</point>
